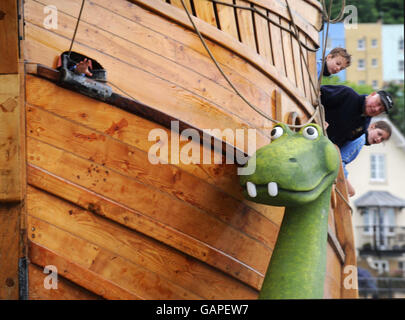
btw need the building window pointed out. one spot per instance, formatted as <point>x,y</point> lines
<point>374,84</point>
<point>374,63</point>
<point>361,44</point>
<point>361,64</point>
<point>382,266</point>
<point>401,65</point>
<point>373,43</point>
<point>369,216</point>
<point>361,82</point>
<point>377,167</point>
<point>401,44</point>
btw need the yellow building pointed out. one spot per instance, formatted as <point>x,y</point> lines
<point>364,43</point>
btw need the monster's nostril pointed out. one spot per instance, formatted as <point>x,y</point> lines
<point>293,160</point>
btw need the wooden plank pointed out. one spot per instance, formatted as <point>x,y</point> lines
<point>333,280</point>
<point>177,101</point>
<point>8,37</point>
<point>9,250</point>
<point>244,51</point>
<point>10,162</point>
<point>344,233</point>
<point>299,68</point>
<point>151,202</point>
<point>205,11</point>
<point>305,69</point>
<point>174,45</point>
<point>277,7</point>
<point>103,118</point>
<point>178,4</point>
<point>66,290</point>
<point>263,35</point>
<point>227,21</point>
<point>306,18</point>
<point>288,54</point>
<point>245,23</point>
<point>104,263</point>
<point>137,221</point>
<point>11,148</point>
<point>154,61</point>
<point>276,43</point>
<point>84,278</point>
<point>250,64</point>
<point>180,276</point>
<point>131,162</point>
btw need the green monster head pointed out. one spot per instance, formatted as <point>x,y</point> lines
<point>295,168</point>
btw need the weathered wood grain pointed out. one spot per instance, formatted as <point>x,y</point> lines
<point>263,35</point>
<point>8,37</point>
<point>105,263</point>
<point>185,277</point>
<point>104,119</point>
<point>131,162</point>
<point>10,158</point>
<point>227,19</point>
<point>205,11</point>
<point>151,202</point>
<point>9,250</point>
<point>65,290</point>
<point>76,273</point>
<point>245,23</point>
<point>97,204</point>
<point>153,60</point>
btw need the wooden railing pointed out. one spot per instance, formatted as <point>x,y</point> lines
<point>266,27</point>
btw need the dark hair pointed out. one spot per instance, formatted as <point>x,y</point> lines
<point>341,52</point>
<point>383,126</point>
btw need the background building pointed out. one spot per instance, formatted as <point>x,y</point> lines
<point>364,43</point>
<point>378,177</point>
<point>336,38</point>
<point>393,53</point>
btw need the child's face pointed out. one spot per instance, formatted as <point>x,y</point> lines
<point>335,64</point>
<point>376,135</point>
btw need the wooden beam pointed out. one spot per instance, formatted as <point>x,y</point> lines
<point>11,152</point>
<point>10,184</point>
<point>8,37</point>
<point>140,109</point>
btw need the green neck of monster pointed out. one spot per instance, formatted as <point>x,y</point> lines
<point>298,263</point>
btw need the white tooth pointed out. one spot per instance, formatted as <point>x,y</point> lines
<point>251,189</point>
<point>272,188</point>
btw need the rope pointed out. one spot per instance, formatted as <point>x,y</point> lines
<point>253,9</point>
<point>340,15</point>
<point>343,198</point>
<point>77,25</point>
<point>230,82</point>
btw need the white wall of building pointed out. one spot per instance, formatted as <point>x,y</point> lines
<point>392,52</point>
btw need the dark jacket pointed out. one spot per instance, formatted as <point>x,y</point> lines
<point>344,113</point>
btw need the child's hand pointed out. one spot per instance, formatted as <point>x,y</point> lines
<point>83,67</point>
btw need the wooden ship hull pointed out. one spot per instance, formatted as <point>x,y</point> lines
<point>115,225</point>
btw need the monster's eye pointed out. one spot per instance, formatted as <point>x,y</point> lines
<point>277,132</point>
<point>310,133</point>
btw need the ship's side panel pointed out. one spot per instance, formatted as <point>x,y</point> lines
<point>126,208</point>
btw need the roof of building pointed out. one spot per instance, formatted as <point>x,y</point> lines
<point>379,199</point>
